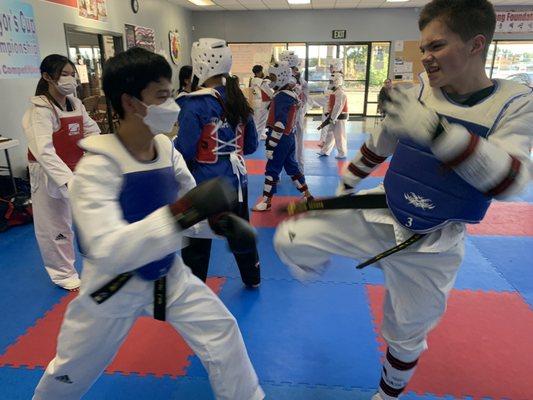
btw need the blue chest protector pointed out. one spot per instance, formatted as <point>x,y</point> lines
<point>423,194</point>
<point>145,188</point>
<point>209,144</point>
<point>142,193</point>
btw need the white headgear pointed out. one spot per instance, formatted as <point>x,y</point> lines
<point>282,72</point>
<point>210,57</point>
<point>336,80</point>
<point>290,56</point>
<point>336,65</point>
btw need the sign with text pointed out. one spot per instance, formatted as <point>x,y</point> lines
<point>514,21</point>
<point>19,48</point>
<point>338,34</point>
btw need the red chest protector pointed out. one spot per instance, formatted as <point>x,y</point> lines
<point>66,139</point>
<point>331,104</point>
<point>291,117</point>
<point>264,96</point>
<point>209,143</point>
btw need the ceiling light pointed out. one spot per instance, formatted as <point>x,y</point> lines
<point>202,2</point>
<point>397,1</point>
<point>299,1</point>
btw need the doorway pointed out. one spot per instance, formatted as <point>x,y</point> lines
<point>88,49</point>
<point>366,66</point>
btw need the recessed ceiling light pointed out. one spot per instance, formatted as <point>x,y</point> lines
<point>202,2</point>
<point>299,1</point>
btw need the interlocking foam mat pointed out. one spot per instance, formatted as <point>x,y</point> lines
<point>314,341</point>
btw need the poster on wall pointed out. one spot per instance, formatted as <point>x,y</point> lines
<point>145,38</point>
<point>130,35</point>
<point>174,46</point>
<point>93,9</point>
<point>19,48</point>
<point>245,56</point>
<point>514,21</point>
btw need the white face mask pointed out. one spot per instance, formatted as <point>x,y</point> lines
<point>66,85</point>
<point>161,118</point>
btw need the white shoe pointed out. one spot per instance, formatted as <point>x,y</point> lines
<point>72,283</point>
<point>263,205</point>
<point>377,396</point>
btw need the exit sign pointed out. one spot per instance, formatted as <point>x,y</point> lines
<point>338,34</point>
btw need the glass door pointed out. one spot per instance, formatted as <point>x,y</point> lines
<point>88,49</point>
<point>366,66</point>
<point>356,70</point>
<point>379,70</point>
<point>300,49</point>
<point>318,60</point>
<point>512,60</point>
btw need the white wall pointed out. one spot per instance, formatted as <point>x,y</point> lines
<point>306,25</point>
<point>160,15</point>
<point>361,25</point>
<point>316,25</point>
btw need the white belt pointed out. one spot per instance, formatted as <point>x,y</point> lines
<point>239,168</point>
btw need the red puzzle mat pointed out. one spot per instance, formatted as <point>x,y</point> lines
<point>481,348</point>
<point>152,347</point>
<point>271,219</point>
<point>255,167</point>
<point>505,218</point>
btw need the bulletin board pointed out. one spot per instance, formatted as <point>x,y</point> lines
<point>246,55</point>
<point>406,61</point>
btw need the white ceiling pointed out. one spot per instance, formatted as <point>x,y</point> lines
<point>221,5</point>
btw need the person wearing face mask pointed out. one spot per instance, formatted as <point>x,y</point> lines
<point>53,125</point>
<point>336,116</point>
<point>216,131</point>
<point>133,201</point>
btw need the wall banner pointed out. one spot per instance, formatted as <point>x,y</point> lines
<point>514,21</point>
<point>19,48</point>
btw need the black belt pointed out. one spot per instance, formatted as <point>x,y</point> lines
<point>160,298</point>
<point>115,284</point>
<point>342,116</point>
<point>413,239</point>
<point>360,202</point>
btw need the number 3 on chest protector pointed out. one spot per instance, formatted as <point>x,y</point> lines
<point>409,222</point>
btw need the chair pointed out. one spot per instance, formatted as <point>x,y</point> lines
<point>91,103</point>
